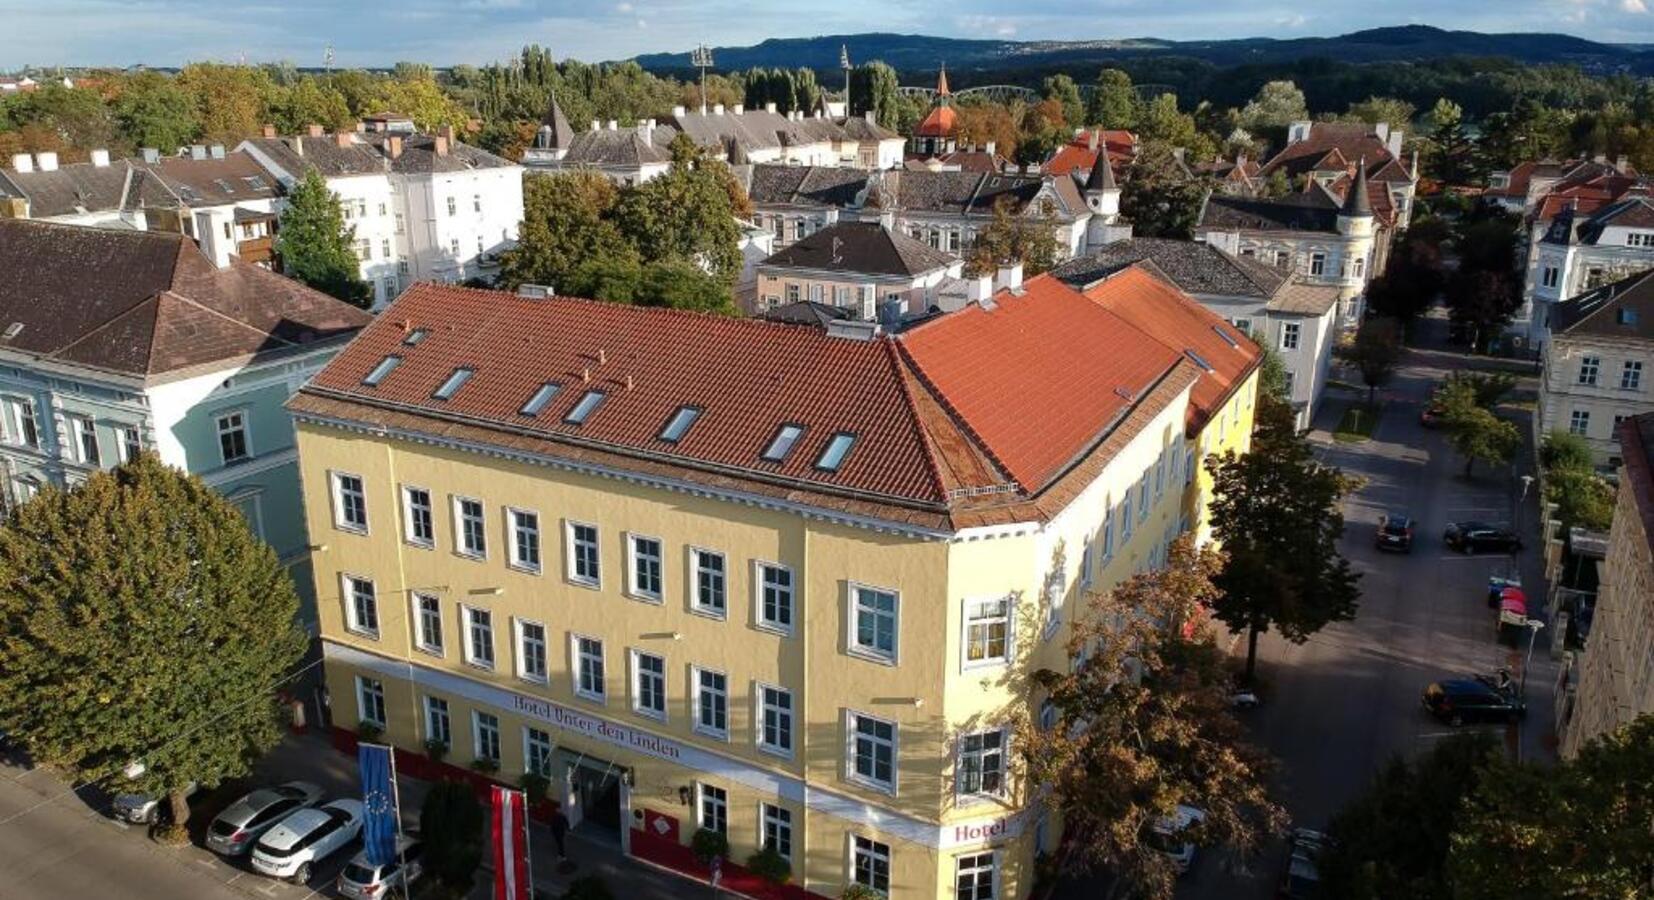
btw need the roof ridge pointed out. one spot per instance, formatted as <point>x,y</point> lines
<point>893,355</point>
<point>958,418</point>
<point>149,301</point>
<point>270,335</point>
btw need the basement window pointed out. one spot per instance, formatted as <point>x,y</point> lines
<point>679,424</point>
<point>455,381</point>
<point>385,367</point>
<point>588,404</point>
<point>541,397</point>
<point>837,449</point>
<point>782,443</point>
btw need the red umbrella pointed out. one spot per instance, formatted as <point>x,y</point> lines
<point>1512,600</point>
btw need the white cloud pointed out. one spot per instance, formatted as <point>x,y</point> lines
<point>623,8</point>
<point>1633,6</point>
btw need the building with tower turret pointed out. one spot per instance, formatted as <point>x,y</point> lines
<point>937,134</point>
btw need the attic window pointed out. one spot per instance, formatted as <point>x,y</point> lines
<point>541,397</point>
<point>454,383</point>
<point>1227,337</point>
<point>1199,360</point>
<point>224,185</point>
<point>385,367</point>
<point>254,182</point>
<point>13,330</point>
<point>679,424</point>
<point>782,443</point>
<point>415,336</point>
<point>1627,316</point>
<point>583,410</point>
<point>837,449</point>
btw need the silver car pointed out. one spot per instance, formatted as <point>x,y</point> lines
<point>235,829</point>
<point>144,809</point>
<point>306,837</point>
<point>368,882</point>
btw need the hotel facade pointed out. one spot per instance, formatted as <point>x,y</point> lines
<point>742,575</point>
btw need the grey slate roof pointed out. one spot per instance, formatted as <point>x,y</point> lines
<point>83,187</point>
<point>1194,267</point>
<point>819,186</point>
<point>807,312</point>
<point>560,134</point>
<point>1628,212</point>
<point>1310,211</point>
<point>1623,309</point>
<point>366,154</point>
<point>863,248</point>
<point>621,147</point>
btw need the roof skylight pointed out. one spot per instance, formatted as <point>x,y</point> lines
<point>385,367</point>
<point>415,336</point>
<point>1199,360</point>
<point>455,381</point>
<point>679,424</point>
<point>837,449</point>
<point>583,410</point>
<point>541,397</point>
<point>782,443</point>
<point>1227,337</point>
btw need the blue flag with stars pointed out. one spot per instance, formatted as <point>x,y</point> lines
<point>379,815</point>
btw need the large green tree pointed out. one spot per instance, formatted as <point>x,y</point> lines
<point>1159,198</point>
<point>567,220</point>
<point>1061,88</point>
<point>153,111</point>
<point>1276,512</point>
<point>687,213</point>
<point>671,283</point>
<point>1014,237</point>
<point>1375,353</point>
<point>314,243</point>
<point>1450,157</point>
<point>874,88</point>
<point>1143,725</point>
<point>1473,430</point>
<point>1113,102</point>
<point>451,824</point>
<point>141,620</point>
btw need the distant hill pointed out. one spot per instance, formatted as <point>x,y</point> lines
<point>920,53</point>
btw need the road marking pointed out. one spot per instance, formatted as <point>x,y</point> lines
<point>204,862</point>
<point>118,824</point>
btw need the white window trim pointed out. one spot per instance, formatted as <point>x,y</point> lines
<point>511,560</point>
<point>693,583</point>
<point>574,668</point>
<point>476,735</point>
<point>758,619</point>
<point>349,597</point>
<point>764,806</point>
<point>407,518</point>
<point>995,870</point>
<point>695,725</point>
<point>700,803</point>
<point>419,643</point>
<point>850,858</point>
<point>569,556</point>
<point>523,674</point>
<point>218,434</point>
<point>459,528</point>
<point>465,634</point>
<point>758,688</point>
<point>633,654</point>
<point>361,708</point>
<point>850,773</point>
<point>850,646</point>
<point>425,707</point>
<point>632,589</point>
<point>528,756</point>
<point>963,798</point>
<point>335,492</point>
<point>966,664</point>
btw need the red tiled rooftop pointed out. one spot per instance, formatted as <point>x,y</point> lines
<point>1077,154</point>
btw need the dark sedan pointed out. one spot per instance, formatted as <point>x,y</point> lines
<point>1460,700</point>
<point>1479,537</point>
<point>1395,532</point>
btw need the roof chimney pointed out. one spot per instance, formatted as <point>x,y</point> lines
<point>440,145</point>
<point>1093,139</point>
<point>1622,163</point>
<point>447,131</point>
<point>393,146</point>
<point>602,356</point>
<point>769,108</point>
<point>613,125</point>
<point>151,155</point>
<point>1008,277</point>
<point>22,162</point>
<point>629,383</point>
<point>679,112</point>
<point>717,109</point>
<point>198,151</point>
<point>216,151</point>
<point>47,162</point>
<point>313,130</point>
<point>342,139</point>
<point>596,125</point>
<point>739,108</point>
<point>268,130</point>
<point>100,159</point>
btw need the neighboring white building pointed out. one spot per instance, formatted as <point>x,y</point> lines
<point>1327,153</point>
<point>1577,254</point>
<point>877,274</point>
<point>425,206</point>
<point>1599,365</point>
<point>1294,317</point>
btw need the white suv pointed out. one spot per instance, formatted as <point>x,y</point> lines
<point>306,837</point>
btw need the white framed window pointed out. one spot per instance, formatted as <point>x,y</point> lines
<point>976,877</point>
<point>453,208</point>
<point>1289,335</point>
<point>1550,276</point>
<point>1143,493</point>
<point>479,636</point>
<point>361,606</point>
<point>370,700</point>
<point>86,441</point>
<point>870,863</point>
<point>470,530</point>
<point>438,727</point>
<point>775,825</point>
<point>1317,263</point>
<point>583,554</point>
<point>418,525</point>
<point>401,224</point>
<point>523,532</point>
<point>385,248</point>
<point>793,295</point>
<point>485,729</point>
<point>531,651</point>
<point>1631,376</point>
<point>588,668</point>
<point>987,631</point>
<point>714,808</point>
<point>874,616</point>
<point>428,623</point>
<point>709,582</point>
<point>1086,562</point>
<point>476,203</point>
<point>872,752</point>
<point>643,575</point>
<point>234,444</point>
<point>981,764</point>
<point>648,685</point>
<point>775,597</point>
<point>537,747</point>
<point>1125,516</point>
<point>1108,530</point>
<point>131,443</point>
<point>350,503</point>
<point>1579,422</point>
<point>20,421</point>
<point>711,702</point>
<point>1589,366</point>
<point>775,720</point>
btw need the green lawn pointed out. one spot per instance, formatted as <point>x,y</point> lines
<point>1356,424</point>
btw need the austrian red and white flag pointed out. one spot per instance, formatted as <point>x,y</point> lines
<point>510,845</point>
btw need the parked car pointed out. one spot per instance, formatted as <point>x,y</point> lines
<point>233,831</point>
<point>1460,700</point>
<point>1477,537</point>
<point>1395,532</point>
<point>306,837</point>
<point>146,809</point>
<point>365,881</point>
<point>1302,877</point>
<point>1432,413</point>
<point>1167,836</point>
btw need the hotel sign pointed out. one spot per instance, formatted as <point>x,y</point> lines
<point>597,728</point>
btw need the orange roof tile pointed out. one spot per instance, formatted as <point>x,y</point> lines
<point>1078,155</point>
<point>941,122</point>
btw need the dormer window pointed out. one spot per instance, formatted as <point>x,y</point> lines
<point>385,367</point>
<point>679,424</point>
<point>782,443</point>
<point>542,396</point>
<point>837,449</point>
<point>588,404</point>
<point>455,381</point>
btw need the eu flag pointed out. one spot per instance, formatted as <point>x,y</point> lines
<point>379,815</point>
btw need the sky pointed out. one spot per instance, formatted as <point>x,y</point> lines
<point>443,32</point>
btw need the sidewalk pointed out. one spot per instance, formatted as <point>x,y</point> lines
<point>313,758</point>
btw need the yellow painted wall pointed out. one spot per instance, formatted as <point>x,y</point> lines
<point>1231,429</point>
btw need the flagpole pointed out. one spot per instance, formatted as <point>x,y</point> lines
<point>396,804</point>
<point>528,850</point>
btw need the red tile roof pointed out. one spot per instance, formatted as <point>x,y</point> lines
<point>1173,318</point>
<point>1351,141</point>
<point>1077,154</point>
<point>940,122</point>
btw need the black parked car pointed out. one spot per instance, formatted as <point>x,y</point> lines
<point>1479,537</point>
<point>1395,532</point>
<point>1460,700</point>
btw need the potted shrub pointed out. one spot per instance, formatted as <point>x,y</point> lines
<point>369,731</point>
<point>485,765</point>
<point>709,845</point>
<point>860,892</point>
<point>536,787</point>
<point>436,749</point>
<point>770,866</point>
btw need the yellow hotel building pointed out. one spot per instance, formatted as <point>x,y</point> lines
<point>755,577</point>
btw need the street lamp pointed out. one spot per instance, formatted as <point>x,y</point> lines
<point>1533,626</point>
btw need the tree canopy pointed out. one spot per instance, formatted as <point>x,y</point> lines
<point>1159,198</point>
<point>315,244</point>
<point>1013,238</point>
